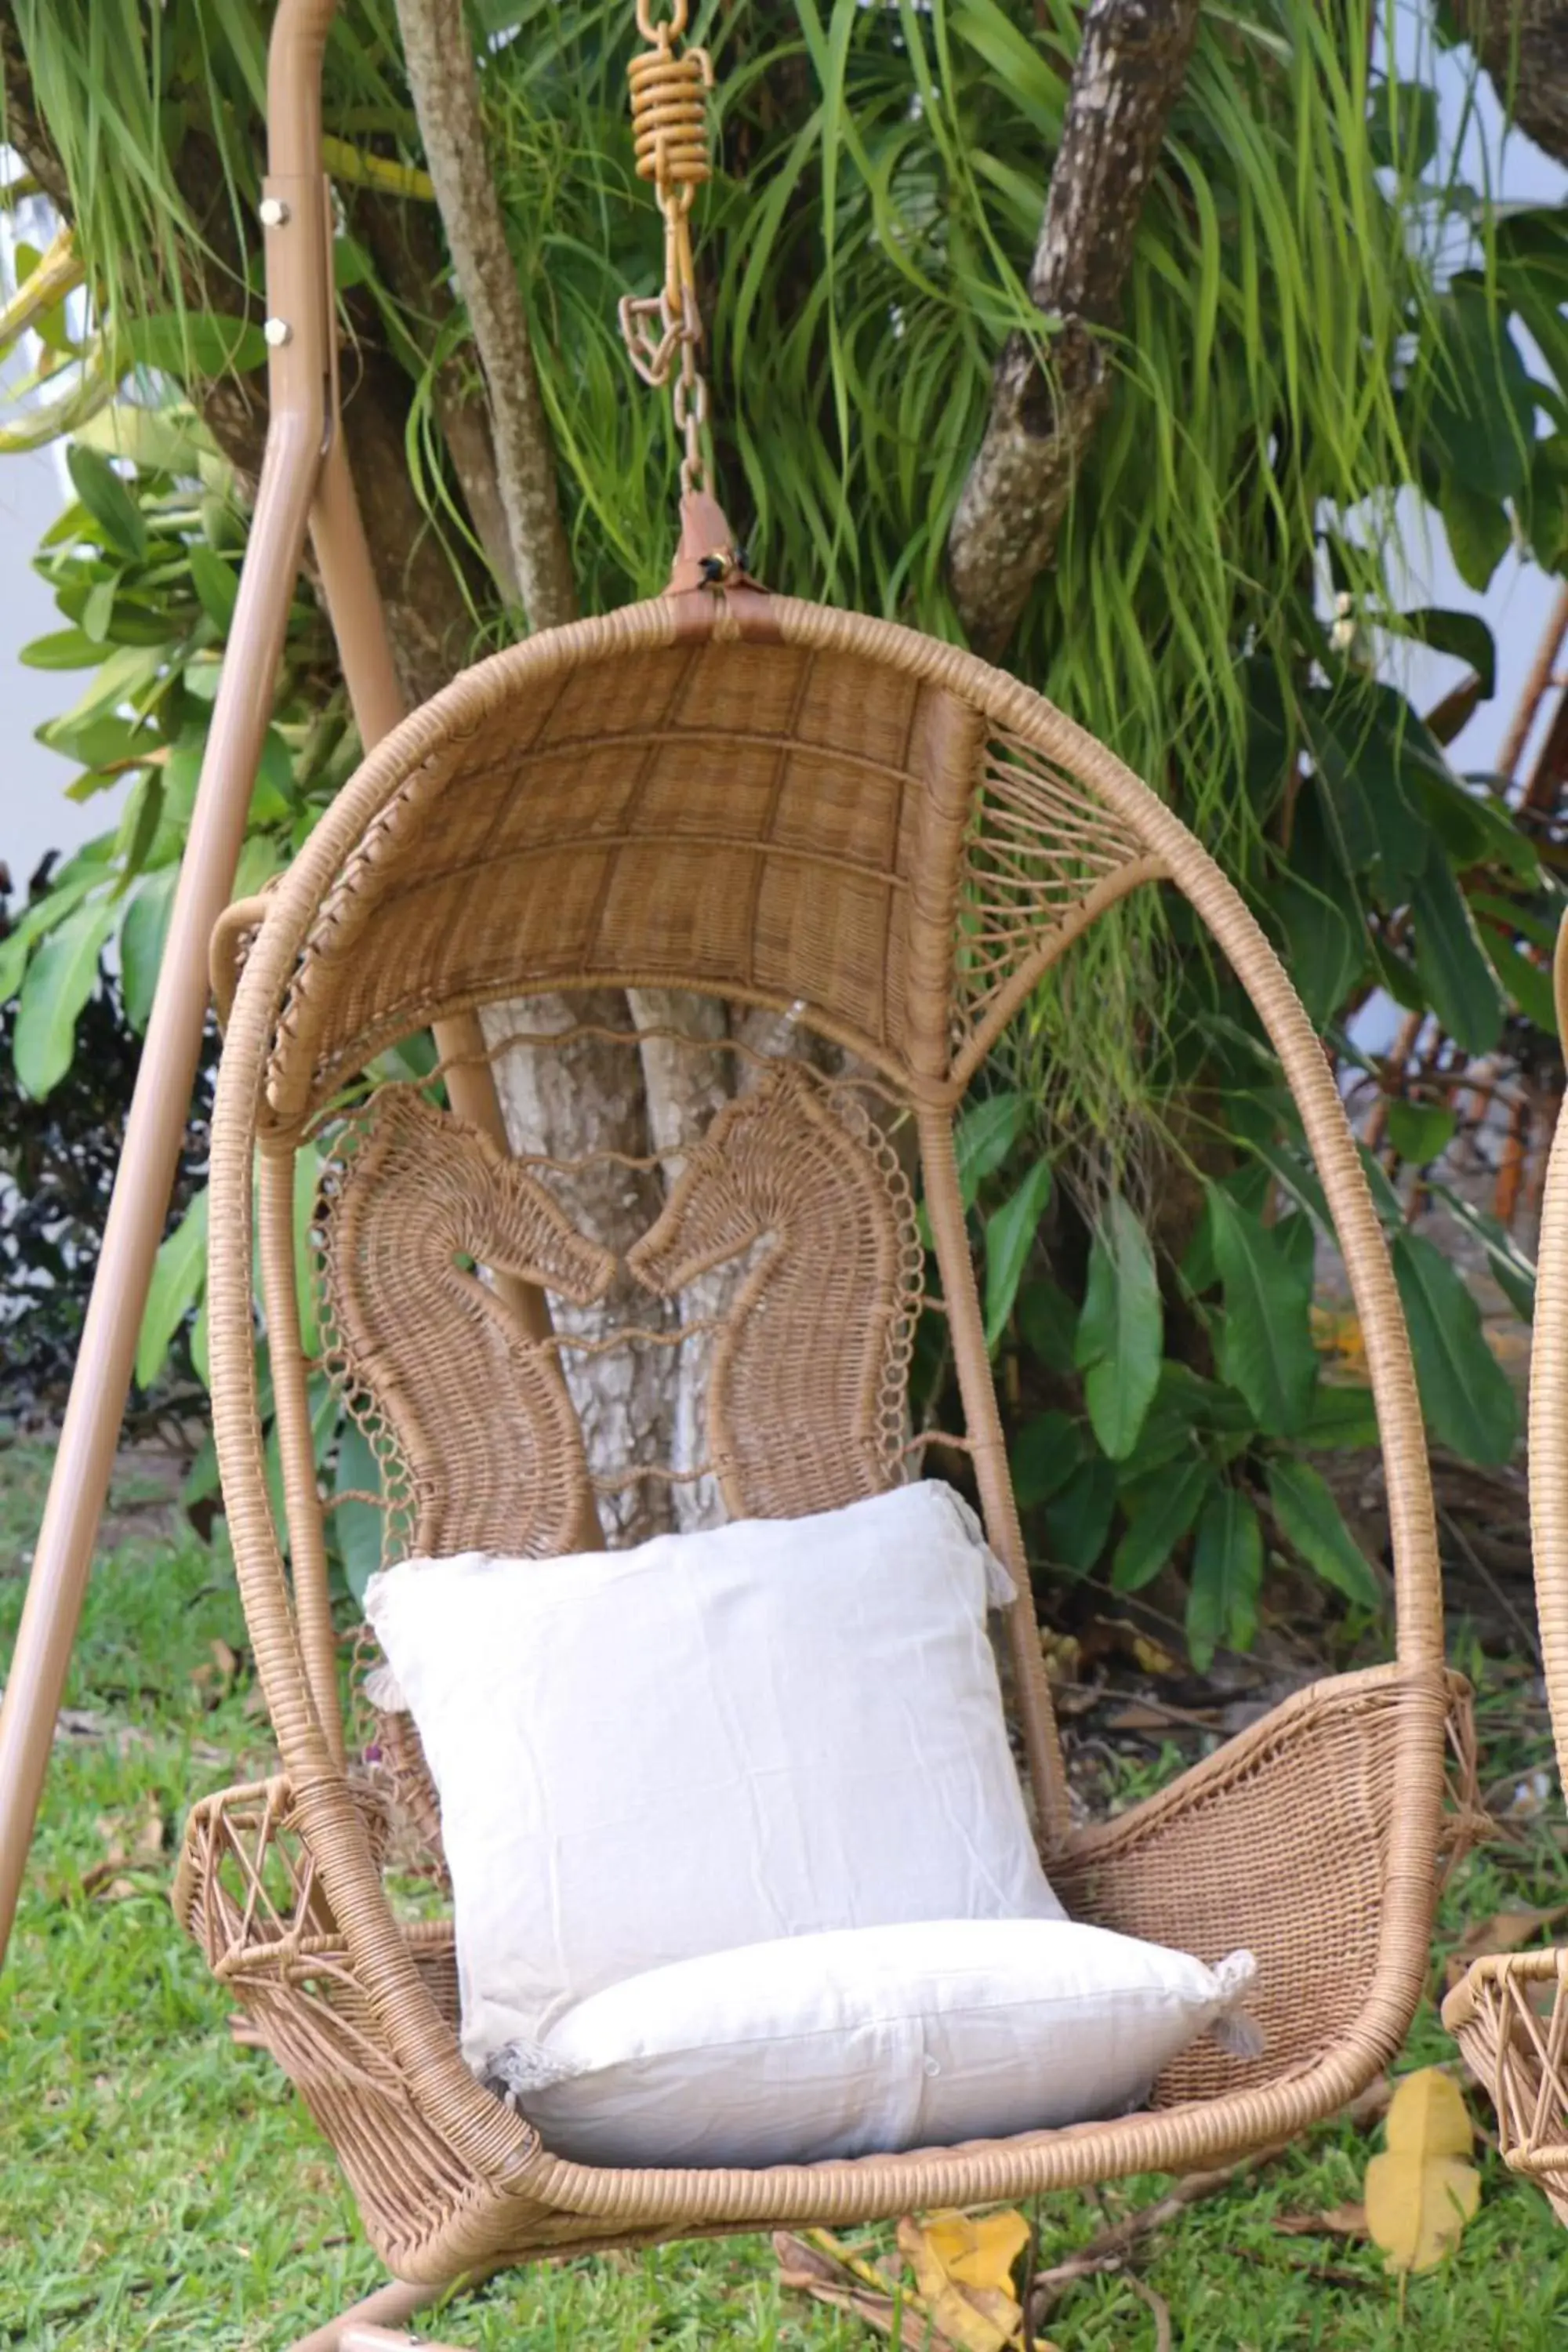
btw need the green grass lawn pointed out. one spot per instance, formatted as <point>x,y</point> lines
<point>159,2187</point>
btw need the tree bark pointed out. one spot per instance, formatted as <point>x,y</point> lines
<point>1523,45</point>
<point>444,81</point>
<point>1044,408</point>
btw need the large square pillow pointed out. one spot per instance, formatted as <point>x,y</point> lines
<point>770,1729</point>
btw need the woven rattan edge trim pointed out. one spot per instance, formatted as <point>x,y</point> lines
<point>1331,1694</point>
<point>1548,1963</point>
<point>1548,1434</point>
<point>426,1010</point>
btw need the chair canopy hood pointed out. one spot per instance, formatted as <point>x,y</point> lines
<point>825,811</point>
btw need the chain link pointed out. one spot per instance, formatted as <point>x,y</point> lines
<point>668,94</point>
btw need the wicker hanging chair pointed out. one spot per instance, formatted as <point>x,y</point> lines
<point>1510,2011</point>
<point>883,844</point>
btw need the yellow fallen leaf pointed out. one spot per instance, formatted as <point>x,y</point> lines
<point>1422,2190</point>
<point>963,2270</point>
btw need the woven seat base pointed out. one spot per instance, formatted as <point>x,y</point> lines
<point>1321,1767</point>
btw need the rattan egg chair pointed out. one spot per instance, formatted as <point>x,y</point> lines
<point>884,843</point>
<point>1510,2011</point>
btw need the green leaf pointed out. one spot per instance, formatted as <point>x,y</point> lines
<point>307,1177</point>
<point>1420,1131</point>
<point>179,1279</point>
<point>63,650</point>
<point>1043,1457</point>
<point>1343,1417</point>
<point>44,915</point>
<point>1510,1268</point>
<point>1465,1393</point>
<point>127,672</point>
<point>1121,1331</point>
<point>1311,1522</point>
<point>1047,1324</point>
<point>142,937</point>
<point>1265,1338</point>
<point>217,584</point>
<point>1401,126</point>
<point>1464,634</point>
<point>1078,1519</point>
<point>1530,987</point>
<point>98,612</point>
<point>58,983</point>
<point>1450,961</point>
<point>199,342</point>
<point>1158,1527</point>
<point>1228,1577</point>
<point>1478,531</point>
<point>357,1526</point>
<point>1009,1237</point>
<point>109,502</point>
<point>1357,739</point>
<point>1482,418</point>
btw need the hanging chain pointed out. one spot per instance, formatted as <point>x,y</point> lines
<point>670,125</point>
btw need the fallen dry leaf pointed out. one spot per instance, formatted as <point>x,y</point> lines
<point>1423,2189</point>
<point>963,2269</point>
<point>1334,2222</point>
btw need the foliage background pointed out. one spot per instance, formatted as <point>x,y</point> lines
<point>1322,315</point>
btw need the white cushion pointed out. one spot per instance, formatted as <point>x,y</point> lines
<point>765,1730</point>
<point>874,2039</point>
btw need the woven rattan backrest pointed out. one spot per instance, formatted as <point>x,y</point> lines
<point>786,1252</point>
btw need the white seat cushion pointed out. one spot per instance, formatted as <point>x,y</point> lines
<point>769,1730</point>
<point>874,2039</point>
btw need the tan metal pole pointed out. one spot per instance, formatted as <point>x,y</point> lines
<point>296,254</point>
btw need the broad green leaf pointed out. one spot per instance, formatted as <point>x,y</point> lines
<point>1464,634</point>
<point>109,502</point>
<point>56,984</point>
<point>1478,529</point>
<point>1343,1417</point>
<point>1121,1330</point>
<point>357,1526</point>
<point>1009,1237</point>
<point>179,1279</point>
<point>1450,959</point>
<point>1047,1324</point>
<point>1528,983</point>
<point>1078,1519</point>
<point>142,937</point>
<point>1401,126</point>
<point>1166,1514</point>
<point>63,650</point>
<point>1356,736</point>
<point>1311,1522</point>
<point>1263,1340</point>
<point>1226,1577</point>
<point>1043,1457</point>
<point>1465,1393</point>
<point>1481,419</point>
<point>44,915</point>
<point>1420,1131</point>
